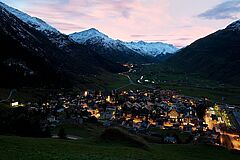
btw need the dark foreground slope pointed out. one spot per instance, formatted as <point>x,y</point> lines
<point>12,148</point>
<point>216,56</point>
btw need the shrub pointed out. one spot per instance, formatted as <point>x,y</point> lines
<point>120,135</point>
<point>61,133</point>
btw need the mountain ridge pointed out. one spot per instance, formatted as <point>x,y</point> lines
<point>27,51</point>
<point>216,56</point>
<point>94,36</point>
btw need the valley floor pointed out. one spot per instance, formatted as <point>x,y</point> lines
<point>193,84</point>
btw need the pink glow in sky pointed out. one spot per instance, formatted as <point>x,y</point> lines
<point>179,22</point>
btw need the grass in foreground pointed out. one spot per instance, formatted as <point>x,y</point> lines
<point>13,148</point>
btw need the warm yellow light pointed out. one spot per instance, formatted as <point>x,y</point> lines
<point>98,115</point>
<point>108,99</point>
<point>14,104</point>
<point>95,113</point>
<point>86,93</point>
<point>137,120</point>
<point>168,124</point>
<point>152,122</point>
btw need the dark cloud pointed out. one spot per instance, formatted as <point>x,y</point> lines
<point>226,10</point>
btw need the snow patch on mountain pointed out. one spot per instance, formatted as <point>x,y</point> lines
<point>151,48</point>
<point>32,21</point>
<point>234,26</point>
<point>83,37</point>
<point>93,36</point>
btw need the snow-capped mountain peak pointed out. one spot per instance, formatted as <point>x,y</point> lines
<point>234,26</point>
<point>32,21</point>
<point>84,36</point>
<point>151,48</point>
<point>93,36</point>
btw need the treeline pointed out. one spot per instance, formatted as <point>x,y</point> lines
<point>23,122</point>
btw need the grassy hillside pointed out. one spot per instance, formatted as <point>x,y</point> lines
<point>215,56</point>
<point>13,148</point>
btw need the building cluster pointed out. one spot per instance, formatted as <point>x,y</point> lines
<point>136,110</point>
<point>139,111</point>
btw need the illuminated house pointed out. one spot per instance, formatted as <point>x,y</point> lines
<point>174,115</point>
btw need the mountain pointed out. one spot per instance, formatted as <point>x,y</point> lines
<point>23,58</point>
<point>52,33</point>
<point>111,49</point>
<point>123,52</point>
<point>152,49</point>
<point>32,21</point>
<point>217,56</point>
<point>33,53</point>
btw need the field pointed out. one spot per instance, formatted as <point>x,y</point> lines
<point>12,148</point>
<point>105,82</point>
<point>189,84</point>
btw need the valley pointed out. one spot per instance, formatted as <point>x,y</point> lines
<point>193,84</point>
<point>86,95</point>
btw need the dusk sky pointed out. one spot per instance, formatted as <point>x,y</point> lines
<point>178,22</point>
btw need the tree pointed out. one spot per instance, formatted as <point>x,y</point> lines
<point>201,110</point>
<point>61,133</point>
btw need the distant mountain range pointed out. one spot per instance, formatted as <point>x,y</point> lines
<point>113,50</point>
<point>138,52</point>
<point>217,56</point>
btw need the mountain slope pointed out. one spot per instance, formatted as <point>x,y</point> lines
<point>152,49</point>
<point>53,34</point>
<point>107,47</point>
<point>23,58</point>
<point>216,56</point>
<point>123,52</point>
<point>81,56</point>
<point>32,21</point>
<point>34,57</point>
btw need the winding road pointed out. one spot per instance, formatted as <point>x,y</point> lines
<point>131,82</point>
<point>9,96</point>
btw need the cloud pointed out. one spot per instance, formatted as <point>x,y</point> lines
<point>151,35</point>
<point>138,35</point>
<point>171,21</point>
<point>112,8</point>
<point>226,10</point>
<point>183,39</point>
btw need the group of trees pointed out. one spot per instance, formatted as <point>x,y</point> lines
<point>201,109</point>
<point>23,122</point>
